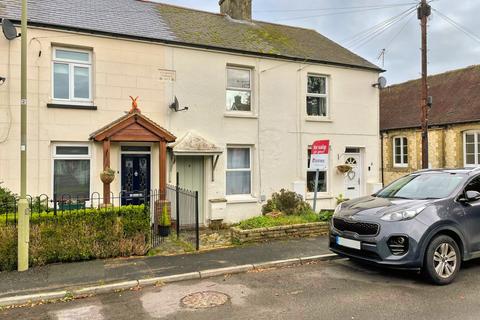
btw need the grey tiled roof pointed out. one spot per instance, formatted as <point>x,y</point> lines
<point>162,22</point>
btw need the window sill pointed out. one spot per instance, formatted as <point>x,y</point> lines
<point>240,114</point>
<point>317,119</point>
<point>320,196</point>
<point>241,199</point>
<point>71,106</point>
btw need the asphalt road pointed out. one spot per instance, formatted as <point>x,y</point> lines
<point>329,290</point>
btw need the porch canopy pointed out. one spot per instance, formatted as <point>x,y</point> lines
<point>134,127</point>
<point>192,144</point>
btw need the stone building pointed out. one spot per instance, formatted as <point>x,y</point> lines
<point>454,123</point>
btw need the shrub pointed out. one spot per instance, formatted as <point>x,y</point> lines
<point>288,202</point>
<point>80,235</point>
<point>266,221</point>
<point>326,215</point>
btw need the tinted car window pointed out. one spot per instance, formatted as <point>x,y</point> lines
<point>423,186</point>
<point>473,185</point>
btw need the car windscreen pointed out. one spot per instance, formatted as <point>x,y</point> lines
<point>423,186</point>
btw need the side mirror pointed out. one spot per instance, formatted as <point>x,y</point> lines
<point>472,195</point>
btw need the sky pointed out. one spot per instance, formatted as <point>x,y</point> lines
<point>348,22</point>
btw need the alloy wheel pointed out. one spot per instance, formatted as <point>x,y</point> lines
<point>445,260</point>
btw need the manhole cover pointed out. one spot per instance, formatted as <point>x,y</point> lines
<point>204,299</point>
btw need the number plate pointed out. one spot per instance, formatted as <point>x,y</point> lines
<point>353,244</point>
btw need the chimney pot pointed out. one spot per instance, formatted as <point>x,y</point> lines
<point>237,9</point>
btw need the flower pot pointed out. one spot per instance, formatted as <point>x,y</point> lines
<point>344,168</point>
<point>164,231</point>
<point>107,176</point>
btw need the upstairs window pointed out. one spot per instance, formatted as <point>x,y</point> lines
<point>471,146</point>
<point>72,75</point>
<point>400,152</point>
<point>239,89</point>
<point>317,96</point>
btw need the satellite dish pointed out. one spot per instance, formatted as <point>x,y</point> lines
<point>381,84</point>
<point>9,30</point>
<point>175,106</point>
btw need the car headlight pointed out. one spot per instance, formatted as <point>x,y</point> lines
<point>337,209</point>
<point>403,215</point>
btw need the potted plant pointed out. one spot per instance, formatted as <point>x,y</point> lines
<point>164,223</point>
<point>344,168</point>
<point>107,176</point>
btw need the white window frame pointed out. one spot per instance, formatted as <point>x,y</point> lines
<point>56,156</point>
<point>476,134</point>
<point>319,95</point>
<point>71,68</point>
<point>227,88</point>
<point>401,164</point>
<point>250,169</point>
<point>309,194</point>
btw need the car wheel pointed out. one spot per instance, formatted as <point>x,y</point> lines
<point>442,260</point>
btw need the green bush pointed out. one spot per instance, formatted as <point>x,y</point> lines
<point>326,215</point>
<point>288,202</point>
<point>80,235</point>
<point>266,221</point>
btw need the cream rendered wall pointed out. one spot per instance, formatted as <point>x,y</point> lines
<point>278,129</point>
<point>121,68</point>
<point>279,115</point>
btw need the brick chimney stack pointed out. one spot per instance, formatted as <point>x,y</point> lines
<point>237,9</point>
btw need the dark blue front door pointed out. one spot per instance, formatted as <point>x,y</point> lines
<point>135,178</point>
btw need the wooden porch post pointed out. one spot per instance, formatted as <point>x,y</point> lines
<point>106,164</point>
<point>163,169</point>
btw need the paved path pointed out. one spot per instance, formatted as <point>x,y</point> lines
<point>76,275</point>
<point>327,290</point>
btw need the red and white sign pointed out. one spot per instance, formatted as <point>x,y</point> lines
<point>319,156</point>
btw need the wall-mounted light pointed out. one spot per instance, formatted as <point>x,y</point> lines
<point>2,80</point>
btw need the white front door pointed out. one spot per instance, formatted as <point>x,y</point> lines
<point>353,179</point>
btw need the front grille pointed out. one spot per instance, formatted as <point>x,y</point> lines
<point>360,228</point>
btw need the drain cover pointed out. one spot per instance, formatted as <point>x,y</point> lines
<point>204,299</point>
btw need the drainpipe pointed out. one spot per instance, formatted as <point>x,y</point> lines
<point>382,160</point>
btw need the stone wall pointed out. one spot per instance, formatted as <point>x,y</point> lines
<point>445,149</point>
<point>282,232</point>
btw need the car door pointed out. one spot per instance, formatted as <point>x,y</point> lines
<point>471,220</point>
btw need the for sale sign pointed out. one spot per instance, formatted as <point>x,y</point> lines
<point>319,155</point>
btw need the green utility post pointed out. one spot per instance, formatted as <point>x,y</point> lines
<point>23,210</point>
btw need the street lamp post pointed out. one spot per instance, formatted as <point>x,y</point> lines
<point>23,210</point>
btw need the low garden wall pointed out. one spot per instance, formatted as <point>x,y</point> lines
<point>313,229</point>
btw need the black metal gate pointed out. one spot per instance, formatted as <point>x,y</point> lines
<point>184,211</point>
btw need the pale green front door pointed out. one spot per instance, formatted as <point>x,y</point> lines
<point>191,176</point>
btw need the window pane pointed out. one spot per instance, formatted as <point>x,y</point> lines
<point>82,82</point>
<point>238,100</point>
<point>398,158</point>
<point>322,181</point>
<point>61,87</point>
<point>470,138</point>
<point>317,106</point>
<point>470,148</point>
<point>238,182</point>
<point>238,78</point>
<point>317,85</point>
<point>470,159</point>
<point>405,159</point>
<point>71,150</point>
<point>72,55</point>
<point>72,178</point>
<point>238,158</point>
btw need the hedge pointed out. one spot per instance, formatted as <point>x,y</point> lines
<point>283,220</point>
<point>80,235</point>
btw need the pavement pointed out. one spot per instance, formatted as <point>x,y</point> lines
<point>338,289</point>
<point>113,274</point>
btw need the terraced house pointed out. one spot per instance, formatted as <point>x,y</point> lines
<point>231,103</point>
<point>454,123</point>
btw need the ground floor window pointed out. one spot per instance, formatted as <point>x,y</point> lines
<point>71,172</point>
<point>400,151</point>
<point>239,171</point>
<point>322,178</point>
<point>472,148</point>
